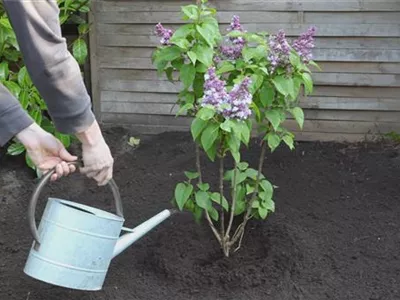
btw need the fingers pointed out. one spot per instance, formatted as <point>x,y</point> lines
<point>101,175</point>
<point>61,169</point>
<point>66,156</point>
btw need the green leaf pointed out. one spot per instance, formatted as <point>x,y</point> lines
<point>197,128</point>
<point>209,135</point>
<point>257,53</point>
<point>177,63</point>
<point>182,32</point>
<point>314,64</point>
<point>213,213</point>
<point>298,114</point>
<point>268,189</point>
<point>263,212</point>
<point>168,54</point>
<point>36,115</point>
<point>192,56</point>
<point>216,197</point>
<point>182,194</point>
<point>297,81</point>
<point>257,81</point>
<point>203,186</point>
<point>13,87</point>
<point>181,43</point>
<point>79,50</point>
<point>24,80</point>
<point>252,173</point>
<point>205,113</point>
<point>273,141</point>
<point>206,33</point>
<point>187,75</point>
<point>249,189</point>
<point>203,200</point>
<point>225,67</point>
<point>240,200</point>
<point>169,71</point>
<point>283,85</point>
<point>83,28</point>
<point>4,70</point>
<point>268,204</point>
<point>240,177</point>
<point>64,138</point>
<point>198,85</point>
<point>236,156</point>
<point>191,12</point>
<point>308,83</point>
<point>204,54</point>
<point>288,141</point>
<point>192,175</point>
<point>242,166</point>
<point>233,143</point>
<point>15,149</point>
<point>274,118</point>
<point>227,125</point>
<point>29,161</point>
<point>295,60</point>
<point>267,95</point>
<point>201,68</point>
<point>24,99</point>
<point>244,132</point>
<point>47,125</point>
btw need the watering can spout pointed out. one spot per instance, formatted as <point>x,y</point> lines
<point>136,233</point>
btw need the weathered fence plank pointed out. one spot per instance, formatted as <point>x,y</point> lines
<point>252,5</point>
<point>356,94</point>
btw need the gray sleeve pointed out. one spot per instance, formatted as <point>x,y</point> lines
<point>52,68</point>
<point>13,118</point>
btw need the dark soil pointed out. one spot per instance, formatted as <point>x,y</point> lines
<point>335,233</point>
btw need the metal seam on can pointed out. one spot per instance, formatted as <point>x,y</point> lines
<point>66,266</point>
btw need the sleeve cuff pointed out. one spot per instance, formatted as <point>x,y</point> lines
<point>13,121</point>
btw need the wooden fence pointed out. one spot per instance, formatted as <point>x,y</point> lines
<point>357,94</point>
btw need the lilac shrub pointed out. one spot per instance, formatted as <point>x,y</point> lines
<point>233,85</point>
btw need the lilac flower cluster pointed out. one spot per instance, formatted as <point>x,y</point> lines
<point>240,100</point>
<point>163,33</point>
<point>233,105</point>
<point>279,50</point>
<point>214,90</point>
<point>304,44</point>
<point>234,51</point>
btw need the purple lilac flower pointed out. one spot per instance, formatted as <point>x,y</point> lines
<point>235,105</point>
<point>304,44</point>
<point>234,51</point>
<point>279,50</point>
<point>163,33</point>
<point>214,90</point>
<point>235,24</point>
<point>240,100</point>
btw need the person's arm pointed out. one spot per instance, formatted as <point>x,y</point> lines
<point>52,68</point>
<point>56,75</point>
<point>13,118</point>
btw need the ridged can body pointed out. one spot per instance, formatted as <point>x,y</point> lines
<point>76,245</point>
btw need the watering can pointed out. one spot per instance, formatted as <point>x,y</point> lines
<point>75,243</point>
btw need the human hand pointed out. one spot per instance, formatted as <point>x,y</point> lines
<point>97,158</point>
<point>46,152</point>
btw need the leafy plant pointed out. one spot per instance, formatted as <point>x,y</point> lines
<point>14,75</point>
<point>233,85</point>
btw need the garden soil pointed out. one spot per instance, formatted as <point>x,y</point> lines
<point>335,233</point>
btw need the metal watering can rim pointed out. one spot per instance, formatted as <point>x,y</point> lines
<point>43,181</point>
<point>88,210</point>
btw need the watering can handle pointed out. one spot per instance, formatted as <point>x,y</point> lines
<point>42,183</point>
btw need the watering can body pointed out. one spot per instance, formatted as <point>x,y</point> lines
<point>75,243</point>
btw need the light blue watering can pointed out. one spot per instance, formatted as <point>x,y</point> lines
<point>75,243</point>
